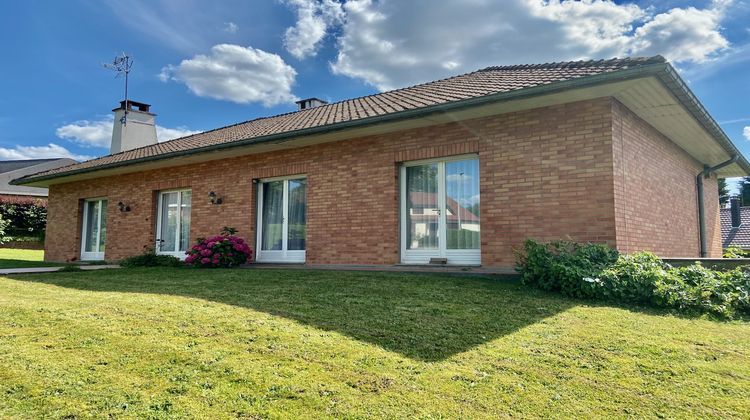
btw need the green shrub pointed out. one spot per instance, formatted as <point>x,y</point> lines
<point>151,259</point>
<point>631,278</point>
<point>564,266</point>
<point>696,289</point>
<point>735,252</point>
<point>598,272</point>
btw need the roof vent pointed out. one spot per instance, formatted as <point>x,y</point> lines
<point>310,103</point>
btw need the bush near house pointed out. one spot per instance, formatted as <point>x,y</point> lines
<point>225,250</point>
<point>150,258</point>
<point>735,252</point>
<point>593,271</point>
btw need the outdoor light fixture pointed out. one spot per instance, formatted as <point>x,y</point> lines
<point>214,199</point>
<point>123,207</point>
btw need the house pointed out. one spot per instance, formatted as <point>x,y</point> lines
<point>735,225</point>
<point>460,170</point>
<point>12,169</point>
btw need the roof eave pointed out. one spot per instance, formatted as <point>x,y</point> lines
<point>672,80</point>
<point>663,71</point>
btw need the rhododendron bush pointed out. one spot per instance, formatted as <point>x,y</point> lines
<point>225,250</point>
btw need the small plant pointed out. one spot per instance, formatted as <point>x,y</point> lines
<point>150,258</point>
<point>224,250</point>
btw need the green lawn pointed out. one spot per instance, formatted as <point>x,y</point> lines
<point>292,343</point>
<point>23,258</point>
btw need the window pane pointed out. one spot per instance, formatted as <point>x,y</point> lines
<point>272,223</point>
<point>185,220</point>
<point>462,204</point>
<point>297,214</point>
<point>92,226</point>
<point>169,215</point>
<point>103,234</point>
<point>422,207</point>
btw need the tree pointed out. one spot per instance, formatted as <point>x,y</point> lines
<point>745,191</point>
<point>723,192</point>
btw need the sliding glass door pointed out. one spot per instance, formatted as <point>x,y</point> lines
<point>282,217</point>
<point>440,211</point>
<point>94,234</point>
<point>173,223</point>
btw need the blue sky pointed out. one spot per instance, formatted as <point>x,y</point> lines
<point>203,65</point>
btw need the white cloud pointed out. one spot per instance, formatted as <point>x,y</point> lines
<point>682,34</point>
<point>88,133</point>
<point>390,44</point>
<point>746,132</point>
<point>98,133</point>
<point>314,17</point>
<point>40,152</point>
<point>235,73</point>
<point>165,133</point>
<point>231,27</point>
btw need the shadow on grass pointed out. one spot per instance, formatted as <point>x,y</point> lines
<point>427,317</point>
<point>11,263</point>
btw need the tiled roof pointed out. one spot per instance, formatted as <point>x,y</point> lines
<point>488,81</point>
<point>740,236</point>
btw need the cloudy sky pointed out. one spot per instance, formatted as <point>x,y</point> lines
<point>204,65</point>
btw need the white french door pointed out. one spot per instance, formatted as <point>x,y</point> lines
<point>173,223</point>
<point>94,234</point>
<point>282,220</point>
<point>440,211</point>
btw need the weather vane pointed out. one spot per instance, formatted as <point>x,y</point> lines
<point>121,65</point>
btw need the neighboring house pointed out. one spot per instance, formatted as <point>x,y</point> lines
<point>12,169</point>
<point>605,151</point>
<point>735,225</point>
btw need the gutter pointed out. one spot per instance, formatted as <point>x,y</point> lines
<point>705,173</point>
<point>663,71</point>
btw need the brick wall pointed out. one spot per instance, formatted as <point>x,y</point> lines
<point>545,173</point>
<point>655,192</point>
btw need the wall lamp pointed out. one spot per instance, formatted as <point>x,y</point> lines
<point>123,207</point>
<point>214,199</point>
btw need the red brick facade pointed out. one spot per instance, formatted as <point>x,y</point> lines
<point>564,171</point>
<point>655,192</point>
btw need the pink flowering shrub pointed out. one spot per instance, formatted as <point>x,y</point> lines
<point>225,250</point>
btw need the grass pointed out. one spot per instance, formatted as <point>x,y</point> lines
<point>23,258</point>
<point>293,343</point>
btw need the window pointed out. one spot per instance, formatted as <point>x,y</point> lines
<point>440,211</point>
<point>173,224</point>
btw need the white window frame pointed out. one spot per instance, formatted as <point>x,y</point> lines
<point>471,257</point>
<point>178,234</point>
<point>283,255</point>
<point>92,256</point>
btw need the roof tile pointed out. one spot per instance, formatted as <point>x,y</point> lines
<point>491,80</point>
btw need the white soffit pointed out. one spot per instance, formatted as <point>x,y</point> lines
<point>650,100</point>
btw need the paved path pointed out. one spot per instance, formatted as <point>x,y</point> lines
<point>51,269</point>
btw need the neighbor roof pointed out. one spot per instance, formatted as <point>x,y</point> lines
<point>739,236</point>
<point>463,90</point>
<point>12,165</point>
<point>12,169</point>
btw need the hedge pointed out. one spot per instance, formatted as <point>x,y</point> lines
<point>593,271</point>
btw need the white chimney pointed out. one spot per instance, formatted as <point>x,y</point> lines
<point>134,127</point>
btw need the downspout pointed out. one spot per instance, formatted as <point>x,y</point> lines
<point>705,173</point>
